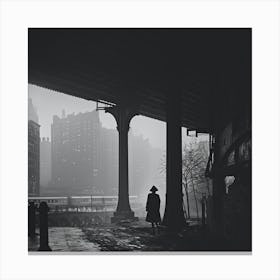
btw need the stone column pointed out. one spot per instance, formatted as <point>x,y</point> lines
<point>218,187</point>
<point>31,219</point>
<point>123,115</point>
<point>44,234</point>
<point>174,215</point>
<point>218,198</point>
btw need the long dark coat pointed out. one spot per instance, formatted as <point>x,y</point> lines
<point>152,208</point>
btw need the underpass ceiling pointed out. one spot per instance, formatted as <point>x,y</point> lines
<point>144,67</point>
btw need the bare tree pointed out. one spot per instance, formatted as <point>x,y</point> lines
<point>185,184</point>
<point>195,156</point>
<point>194,161</point>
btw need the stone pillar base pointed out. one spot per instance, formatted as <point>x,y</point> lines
<point>44,248</point>
<point>123,216</point>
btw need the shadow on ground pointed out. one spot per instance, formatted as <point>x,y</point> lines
<point>138,236</point>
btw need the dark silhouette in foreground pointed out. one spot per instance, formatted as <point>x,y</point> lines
<point>152,208</point>
<point>44,235</point>
<point>31,219</point>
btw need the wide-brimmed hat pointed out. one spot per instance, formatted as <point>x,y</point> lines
<point>153,189</point>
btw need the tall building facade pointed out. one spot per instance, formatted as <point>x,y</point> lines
<point>45,162</point>
<point>85,158</point>
<point>75,142</point>
<point>33,151</point>
<point>32,112</point>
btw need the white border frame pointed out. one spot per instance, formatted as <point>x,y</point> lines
<point>17,16</point>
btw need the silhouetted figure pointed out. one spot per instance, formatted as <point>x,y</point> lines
<point>44,234</point>
<point>152,208</point>
<point>31,219</point>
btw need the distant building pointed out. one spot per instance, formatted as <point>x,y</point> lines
<point>85,158</point>
<point>45,162</point>
<point>75,142</point>
<point>33,151</point>
<point>32,112</point>
<point>109,161</point>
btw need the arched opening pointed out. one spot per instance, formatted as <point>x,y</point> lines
<point>147,144</point>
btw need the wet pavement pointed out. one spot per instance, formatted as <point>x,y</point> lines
<point>65,239</point>
<point>136,236</point>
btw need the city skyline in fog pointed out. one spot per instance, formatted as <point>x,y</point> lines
<point>49,103</point>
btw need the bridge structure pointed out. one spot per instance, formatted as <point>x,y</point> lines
<point>194,78</point>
